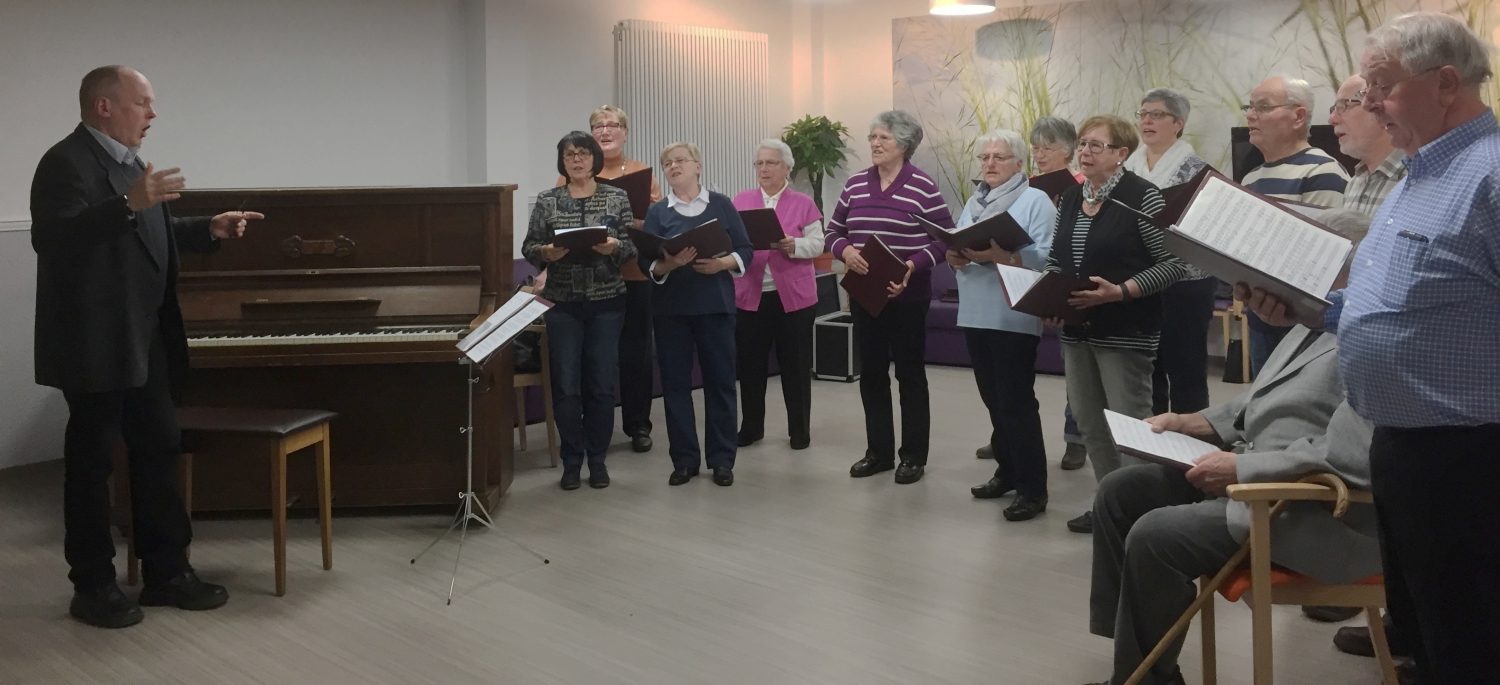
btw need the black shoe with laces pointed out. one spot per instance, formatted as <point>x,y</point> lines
<point>908,473</point>
<point>105,607</point>
<point>184,591</point>
<point>680,476</point>
<point>724,476</point>
<point>1083,524</point>
<point>1024,508</point>
<point>640,442</point>
<point>996,487</point>
<point>870,466</point>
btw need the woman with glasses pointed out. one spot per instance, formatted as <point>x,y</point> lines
<point>693,310</point>
<point>880,201</point>
<point>1103,233</point>
<point>588,296</point>
<point>1179,382</point>
<point>1002,343</point>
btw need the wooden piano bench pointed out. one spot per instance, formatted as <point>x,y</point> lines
<point>283,431</point>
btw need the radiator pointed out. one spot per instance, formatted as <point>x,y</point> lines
<point>699,85</point>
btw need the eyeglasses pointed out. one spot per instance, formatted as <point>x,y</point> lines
<point>1096,147</point>
<point>1379,91</point>
<point>1154,114</point>
<point>679,161</point>
<point>1264,109</point>
<point>577,154</point>
<point>1035,149</point>
<point>882,138</point>
<point>985,159</point>
<point>767,162</point>
<point>1343,105</point>
<point>607,126</point>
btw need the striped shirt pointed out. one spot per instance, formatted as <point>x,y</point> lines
<point>1367,190</point>
<point>1165,270</point>
<point>1310,176</point>
<point>865,209</point>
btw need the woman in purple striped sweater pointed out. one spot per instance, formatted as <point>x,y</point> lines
<point>879,201</point>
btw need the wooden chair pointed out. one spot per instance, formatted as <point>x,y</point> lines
<point>1235,311</point>
<point>282,431</point>
<point>1267,585</point>
<point>542,378</point>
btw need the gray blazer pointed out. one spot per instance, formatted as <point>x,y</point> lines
<point>1294,421</point>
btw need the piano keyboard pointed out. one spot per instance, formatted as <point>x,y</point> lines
<point>391,336</point>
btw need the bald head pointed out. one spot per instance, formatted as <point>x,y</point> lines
<point>117,101</point>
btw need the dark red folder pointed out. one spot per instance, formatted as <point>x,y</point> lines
<point>636,184</point>
<point>870,289</point>
<point>763,227</point>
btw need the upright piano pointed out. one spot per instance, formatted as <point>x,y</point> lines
<point>352,300</point>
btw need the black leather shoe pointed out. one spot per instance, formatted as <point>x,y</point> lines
<point>994,488</point>
<point>640,443</point>
<point>1083,524</point>
<point>598,477</point>
<point>870,466</point>
<point>570,479</point>
<point>681,476</point>
<point>801,443</point>
<point>1024,508</point>
<point>1356,640</point>
<point>747,439</point>
<point>185,591</point>
<point>1324,614</point>
<point>723,476</point>
<point>985,452</point>
<point>105,607</point>
<point>1074,456</point>
<point>908,473</point>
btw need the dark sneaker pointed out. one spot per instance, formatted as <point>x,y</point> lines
<point>186,592</point>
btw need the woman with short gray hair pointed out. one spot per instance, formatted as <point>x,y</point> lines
<point>881,200</point>
<point>1179,382</point>
<point>1053,141</point>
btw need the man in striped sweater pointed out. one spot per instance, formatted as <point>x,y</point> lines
<point>1279,116</point>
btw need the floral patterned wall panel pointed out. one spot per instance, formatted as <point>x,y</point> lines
<point>964,76</point>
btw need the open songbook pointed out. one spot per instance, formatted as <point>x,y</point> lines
<point>1043,294</point>
<point>709,237</point>
<point>503,326</point>
<point>637,185</point>
<point>1135,438</point>
<point>1001,228</point>
<point>763,227</point>
<point>870,289</point>
<point>1241,236</point>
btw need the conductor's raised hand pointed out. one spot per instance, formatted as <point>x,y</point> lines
<point>232,224</point>
<point>1270,308</point>
<point>681,259</point>
<point>153,187</point>
<point>854,261</point>
<point>607,247</point>
<point>895,289</point>
<point>1104,294</point>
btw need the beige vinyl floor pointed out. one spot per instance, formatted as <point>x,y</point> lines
<point>796,574</point>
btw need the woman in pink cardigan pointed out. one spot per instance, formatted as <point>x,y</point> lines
<point>775,300</point>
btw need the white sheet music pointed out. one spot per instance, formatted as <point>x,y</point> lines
<point>1137,435</point>
<point>507,310</point>
<point>1264,237</point>
<point>564,231</point>
<point>508,330</point>
<point>1017,281</point>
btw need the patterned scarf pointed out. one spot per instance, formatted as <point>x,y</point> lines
<point>1095,198</point>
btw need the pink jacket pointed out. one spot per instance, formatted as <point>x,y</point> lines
<point>795,279</point>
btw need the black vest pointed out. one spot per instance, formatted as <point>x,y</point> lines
<point>1114,251</point>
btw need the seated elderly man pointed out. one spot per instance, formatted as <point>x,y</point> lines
<point>1157,529</point>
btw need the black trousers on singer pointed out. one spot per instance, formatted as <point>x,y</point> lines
<point>791,333</point>
<point>1005,371</point>
<point>637,363</point>
<point>1179,382</point>
<point>898,336</point>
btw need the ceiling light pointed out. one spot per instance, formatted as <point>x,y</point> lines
<point>952,8</point>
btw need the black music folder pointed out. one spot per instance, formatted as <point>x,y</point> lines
<point>580,239</point>
<point>636,184</point>
<point>1054,184</point>
<point>709,237</point>
<point>870,289</point>
<point>763,227</point>
<point>1001,228</point>
<point>1043,294</point>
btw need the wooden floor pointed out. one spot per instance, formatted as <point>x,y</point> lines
<point>796,574</point>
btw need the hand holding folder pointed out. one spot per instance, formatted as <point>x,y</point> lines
<point>764,228</point>
<point>885,277</point>
<point>709,238</point>
<point>1043,294</point>
<point>1000,229</point>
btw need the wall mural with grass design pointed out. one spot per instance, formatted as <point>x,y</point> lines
<point>963,77</point>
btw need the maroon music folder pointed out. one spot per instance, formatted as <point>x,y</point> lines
<point>1001,228</point>
<point>1043,294</point>
<point>763,227</point>
<point>709,237</point>
<point>636,184</point>
<point>1054,184</point>
<point>577,240</point>
<point>870,289</point>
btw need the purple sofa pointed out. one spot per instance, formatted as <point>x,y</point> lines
<point>945,342</point>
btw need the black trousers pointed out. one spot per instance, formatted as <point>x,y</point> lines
<point>711,337</point>
<point>791,333</point>
<point>147,419</point>
<point>1440,543</point>
<point>1179,382</point>
<point>898,335</point>
<point>1005,370</point>
<point>637,363</point>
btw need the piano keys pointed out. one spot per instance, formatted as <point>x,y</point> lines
<point>352,300</point>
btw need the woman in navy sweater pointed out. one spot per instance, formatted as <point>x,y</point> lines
<point>693,309</point>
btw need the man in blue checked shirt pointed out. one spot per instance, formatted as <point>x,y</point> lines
<point>1419,337</point>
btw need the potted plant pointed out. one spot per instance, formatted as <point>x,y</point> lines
<point>818,145</point>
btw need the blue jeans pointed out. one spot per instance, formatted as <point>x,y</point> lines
<point>583,342</point>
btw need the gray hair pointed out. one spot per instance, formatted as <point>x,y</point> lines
<point>1011,139</point>
<point>1422,41</point>
<point>1175,102</point>
<point>1055,131</point>
<point>783,148</point>
<point>1347,222</point>
<point>1300,92</point>
<point>902,126</point>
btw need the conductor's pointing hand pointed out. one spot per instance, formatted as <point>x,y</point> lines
<point>232,224</point>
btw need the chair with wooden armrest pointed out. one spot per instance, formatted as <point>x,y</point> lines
<point>1267,585</point>
<point>541,378</point>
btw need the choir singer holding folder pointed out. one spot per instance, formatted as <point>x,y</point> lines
<point>1103,235</point>
<point>1002,343</point>
<point>880,201</point>
<point>693,309</point>
<point>775,300</point>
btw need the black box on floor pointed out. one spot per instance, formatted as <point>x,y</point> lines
<point>835,357</point>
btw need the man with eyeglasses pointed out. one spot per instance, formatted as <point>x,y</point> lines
<point>1363,137</point>
<point>1279,116</point>
<point>1417,327</point>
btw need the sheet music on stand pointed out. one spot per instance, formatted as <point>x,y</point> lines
<point>503,326</point>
